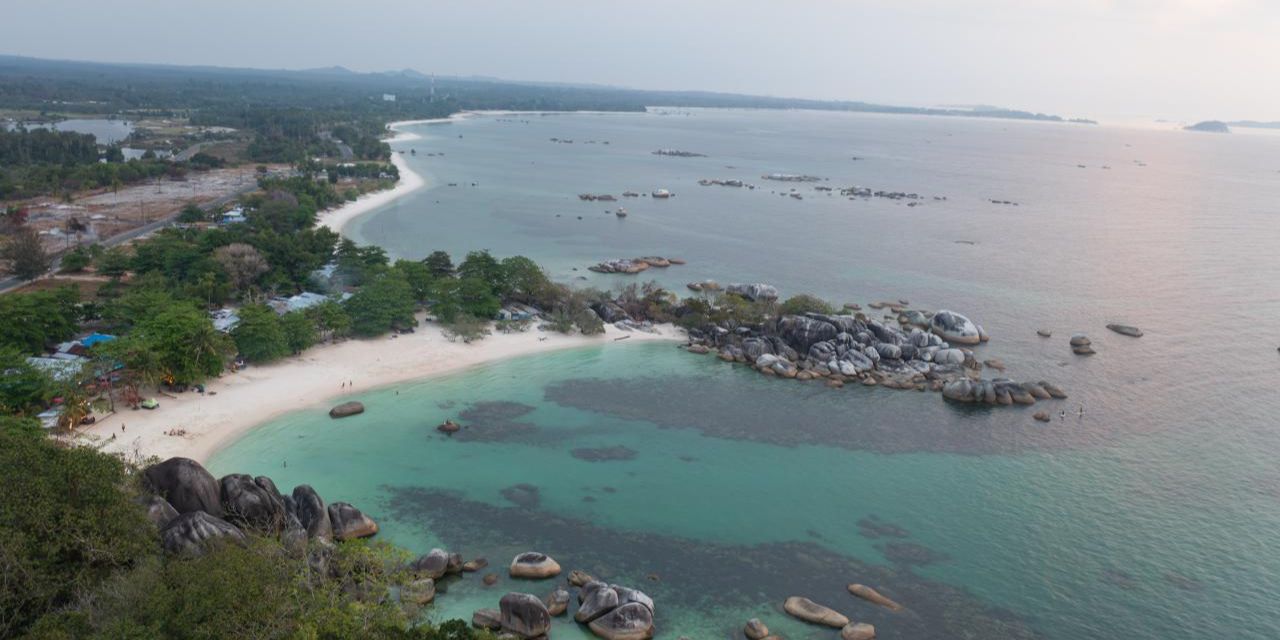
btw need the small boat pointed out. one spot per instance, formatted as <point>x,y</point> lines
<point>449,427</point>
<point>621,212</point>
<point>662,193</point>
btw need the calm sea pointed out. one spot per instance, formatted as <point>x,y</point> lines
<point>1155,514</point>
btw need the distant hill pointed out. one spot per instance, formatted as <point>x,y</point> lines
<point>33,83</point>
<point>1209,126</point>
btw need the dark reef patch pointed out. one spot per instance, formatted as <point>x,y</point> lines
<point>604,454</point>
<point>909,554</point>
<point>496,422</point>
<point>873,528</point>
<point>706,575</point>
<point>523,495</point>
<point>741,405</point>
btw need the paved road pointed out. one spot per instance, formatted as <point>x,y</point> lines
<point>8,284</point>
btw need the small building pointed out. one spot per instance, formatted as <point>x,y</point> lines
<point>225,320</point>
<point>304,300</point>
<point>233,216</point>
<point>388,97</point>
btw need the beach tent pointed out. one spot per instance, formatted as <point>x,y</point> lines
<point>95,338</point>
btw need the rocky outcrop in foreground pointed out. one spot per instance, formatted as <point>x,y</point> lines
<point>194,511</point>
<point>609,611</point>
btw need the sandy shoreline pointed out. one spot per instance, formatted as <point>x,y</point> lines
<point>240,401</point>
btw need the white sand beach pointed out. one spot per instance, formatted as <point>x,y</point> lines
<point>236,402</point>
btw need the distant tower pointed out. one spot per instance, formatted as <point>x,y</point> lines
<point>433,87</point>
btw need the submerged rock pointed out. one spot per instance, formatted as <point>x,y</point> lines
<point>873,596</point>
<point>1124,329</point>
<point>346,409</point>
<point>857,631</point>
<point>810,611</point>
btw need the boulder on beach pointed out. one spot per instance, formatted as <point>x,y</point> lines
<point>194,532</point>
<point>858,631</point>
<point>874,597</point>
<point>1044,333</point>
<point>631,621</point>
<point>534,565</point>
<point>524,615</point>
<point>350,523</point>
<point>755,629</point>
<point>1042,416</point>
<point>810,611</point>
<point>953,327</point>
<point>186,485</point>
<point>346,409</point>
<point>1126,330</point>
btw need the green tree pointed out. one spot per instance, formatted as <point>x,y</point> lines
<point>803,303</point>
<point>177,344</point>
<point>419,277</point>
<point>26,255</point>
<point>259,336</point>
<point>440,264</point>
<point>192,213</point>
<point>299,331</point>
<point>482,266</point>
<point>76,260</point>
<point>113,262</point>
<point>527,282</point>
<point>330,320</point>
<point>383,304</point>
<point>31,321</point>
<point>24,390</point>
<point>66,524</point>
<point>466,327</point>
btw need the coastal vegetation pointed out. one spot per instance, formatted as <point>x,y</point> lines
<point>82,559</point>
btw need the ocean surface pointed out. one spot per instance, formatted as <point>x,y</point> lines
<point>1155,514</point>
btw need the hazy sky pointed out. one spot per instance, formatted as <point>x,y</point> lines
<point>1182,59</point>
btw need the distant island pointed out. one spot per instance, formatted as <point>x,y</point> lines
<point>1211,126</point>
<point>1255,124</point>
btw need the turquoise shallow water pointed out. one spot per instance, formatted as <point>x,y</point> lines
<point>1153,516</point>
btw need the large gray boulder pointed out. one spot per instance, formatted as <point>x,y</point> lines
<point>350,523</point>
<point>627,595</point>
<point>631,621</point>
<point>247,503</point>
<point>312,513</point>
<point>595,600</point>
<point>490,619</point>
<point>159,511</point>
<point>524,615</point>
<point>754,291</point>
<point>558,601</point>
<point>195,532</point>
<point>753,348</point>
<point>610,312</point>
<point>1126,330</point>
<point>802,332</point>
<point>186,485</point>
<point>433,564</point>
<point>953,327</point>
<point>346,409</point>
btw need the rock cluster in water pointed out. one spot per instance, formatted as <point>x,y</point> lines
<point>920,352</point>
<point>791,177</point>
<point>633,265</point>
<point>193,510</point>
<point>678,153</point>
<point>609,611</point>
